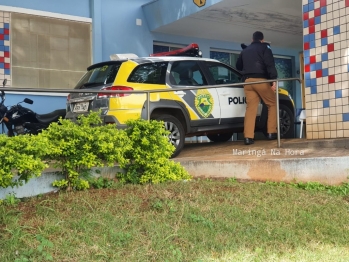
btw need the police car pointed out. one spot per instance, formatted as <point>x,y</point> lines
<point>213,112</point>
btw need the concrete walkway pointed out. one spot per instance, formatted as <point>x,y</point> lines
<point>325,161</point>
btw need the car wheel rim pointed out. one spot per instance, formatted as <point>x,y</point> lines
<point>174,137</point>
<point>285,122</point>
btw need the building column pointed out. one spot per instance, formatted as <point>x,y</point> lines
<point>96,15</point>
<point>5,57</point>
<point>326,67</point>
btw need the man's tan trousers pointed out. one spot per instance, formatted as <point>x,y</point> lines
<point>254,93</point>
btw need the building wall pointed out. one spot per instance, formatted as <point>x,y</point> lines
<point>119,26</point>
<point>326,52</point>
<point>43,102</point>
<point>67,7</point>
<point>120,32</point>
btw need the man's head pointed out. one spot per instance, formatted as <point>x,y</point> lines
<point>258,36</point>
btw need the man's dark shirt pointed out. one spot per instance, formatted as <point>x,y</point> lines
<point>257,61</point>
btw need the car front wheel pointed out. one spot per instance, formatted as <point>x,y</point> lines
<point>177,134</point>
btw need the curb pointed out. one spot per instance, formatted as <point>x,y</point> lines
<point>43,184</point>
<point>326,170</point>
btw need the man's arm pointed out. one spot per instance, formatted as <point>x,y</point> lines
<point>270,63</point>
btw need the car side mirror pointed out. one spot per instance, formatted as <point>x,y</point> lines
<point>28,101</point>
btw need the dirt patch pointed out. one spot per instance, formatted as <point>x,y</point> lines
<point>266,171</point>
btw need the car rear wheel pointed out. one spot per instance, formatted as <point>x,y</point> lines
<point>220,137</point>
<point>177,134</point>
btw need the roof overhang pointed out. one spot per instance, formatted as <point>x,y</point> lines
<point>232,21</point>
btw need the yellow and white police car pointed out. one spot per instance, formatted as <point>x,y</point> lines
<point>213,112</point>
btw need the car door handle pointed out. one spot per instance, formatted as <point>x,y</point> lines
<point>225,94</point>
<point>181,93</point>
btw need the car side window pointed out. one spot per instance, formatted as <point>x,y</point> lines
<point>187,73</point>
<point>152,73</point>
<point>223,74</point>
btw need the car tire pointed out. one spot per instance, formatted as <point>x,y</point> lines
<point>177,134</point>
<point>220,137</point>
<point>286,122</point>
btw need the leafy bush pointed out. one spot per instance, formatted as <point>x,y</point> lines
<point>77,147</point>
<point>142,150</point>
<point>21,158</point>
<point>101,182</point>
<point>150,154</point>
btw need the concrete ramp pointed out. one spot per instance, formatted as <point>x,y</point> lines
<point>263,161</point>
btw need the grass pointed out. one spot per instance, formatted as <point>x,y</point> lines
<point>200,220</point>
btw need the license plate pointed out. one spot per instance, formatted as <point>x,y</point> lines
<point>81,107</point>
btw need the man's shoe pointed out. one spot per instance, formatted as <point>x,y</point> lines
<point>249,141</point>
<point>272,136</point>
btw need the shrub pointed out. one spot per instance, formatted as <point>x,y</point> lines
<point>21,159</point>
<point>77,147</point>
<point>150,154</point>
<point>142,150</point>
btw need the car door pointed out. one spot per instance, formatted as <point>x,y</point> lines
<point>232,100</point>
<point>202,104</point>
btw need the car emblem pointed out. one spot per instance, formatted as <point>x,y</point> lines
<point>204,102</point>
<point>199,3</point>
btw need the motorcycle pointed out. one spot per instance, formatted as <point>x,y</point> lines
<point>20,120</point>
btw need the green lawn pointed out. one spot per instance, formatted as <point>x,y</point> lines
<point>199,220</point>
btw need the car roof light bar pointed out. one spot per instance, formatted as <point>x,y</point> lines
<point>190,50</point>
<point>122,56</point>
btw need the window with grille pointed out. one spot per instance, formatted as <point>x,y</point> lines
<point>48,52</point>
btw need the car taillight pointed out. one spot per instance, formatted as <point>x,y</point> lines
<point>115,88</point>
<point>68,97</point>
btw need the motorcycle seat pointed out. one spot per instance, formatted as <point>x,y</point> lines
<point>51,117</point>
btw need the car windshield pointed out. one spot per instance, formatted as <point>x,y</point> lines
<point>101,75</point>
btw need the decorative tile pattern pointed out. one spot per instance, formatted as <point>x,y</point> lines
<point>5,60</point>
<point>326,66</point>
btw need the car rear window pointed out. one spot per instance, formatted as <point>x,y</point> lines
<point>102,74</point>
<point>152,73</point>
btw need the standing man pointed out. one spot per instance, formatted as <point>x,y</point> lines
<point>256,62</point>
